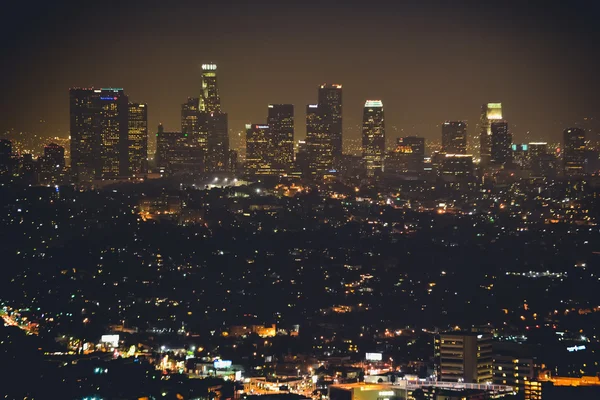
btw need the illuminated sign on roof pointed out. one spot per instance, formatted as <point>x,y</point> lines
<point>108,98</point>
<point>373,103</point>
<point>209,67</point>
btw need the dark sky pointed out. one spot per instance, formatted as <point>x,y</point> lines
<point>428,61</point>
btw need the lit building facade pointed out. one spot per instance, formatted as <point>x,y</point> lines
<point>330,104</point>
<point>501,150</point>
<point>407,159</point>
<point>190,123</point>
<point>490,112</point>
<point>574,151</point>
<point>464,357</point>
<point>99,133</point>
<point>259,150</point>
<point>280,119</point>
<point>172,151</point>
<point>512,371</point>
<point>138,139</point>
<point>53,163</point>
<point>454,137</point>
<point>373,137</point>
<point>213,122</point>
<point>319,146</point>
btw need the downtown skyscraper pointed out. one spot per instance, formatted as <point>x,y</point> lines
<point>330,106</point>
<point>489,112</point>
<point>280,119</point>
<point>99,133</point>
<point>205,126</point>
<point>373,137</point>
<point>319,146</point>
<point>213,122</point>
<point>137,141</point>
<point>454,137</point>
<point>501,143</point>
<point>574,151</point>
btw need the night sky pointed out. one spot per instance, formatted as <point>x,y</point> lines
<point>428,61</point>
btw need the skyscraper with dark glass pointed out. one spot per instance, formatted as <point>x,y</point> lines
<point>489,112</point>
<point>281,125</point>
<point>173,151</point>
<point>213,122</point>
<point>138,139</point>
<point>574,151</point>
<point>259,150</point>
<point>190,123</point>
<point>330,104</point>
<point>501,142</point>
<point>373,137</point>
<point>319,146</point>
<point>52,163</point>
<point>407,159</point>
<point>99,133</point>
<point>454,137</point>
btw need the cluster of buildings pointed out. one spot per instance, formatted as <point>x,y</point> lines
<point>109,140</point>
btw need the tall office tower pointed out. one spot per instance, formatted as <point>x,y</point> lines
<point>453,166</point>
<point>190,123</point>
<point>464,357</point>
<point>537,149</point>
<point>281,124</point>
<point>209,97</point>
<point>454,137</point>
<point>259,150</point>
<point>172,151</point>
<point>52,163</point>
<point>213,122</point>
<point>99,133</point>
<point>520,154</point>
<point>302,162</point>
<point>330,103</point>
<point>501,151</point>
<point>138,139</point>
<point>489,112</point>
<point>6,157</point>
<point>319,146</point>
<point>373,137</point>
<point>407,158</point>
<point>574,151</point>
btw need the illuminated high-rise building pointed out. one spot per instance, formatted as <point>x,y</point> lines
<point>138,138</point>
<point>190,123</point>
<point>454,137</point>
<point>407,158</point>
<point>319,146</point>
<point>489,112</point>
<point>281,125</point>
<point>330,104</point>
<point>259,150</point>
<point>99,133</point>
<point>172,151</point>
<point>464,357</point>
<point>213,122</point>
<point>52,163</point>
<point>373,137</point>
<point>210,102</point>
<point>501,141</point>
<point>574,151</point>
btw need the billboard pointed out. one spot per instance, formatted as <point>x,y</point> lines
<point>113,340</point>
<point>373,357</point>
<point>222,364</point>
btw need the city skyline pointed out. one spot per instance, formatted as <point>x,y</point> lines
<point>419,88</point>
